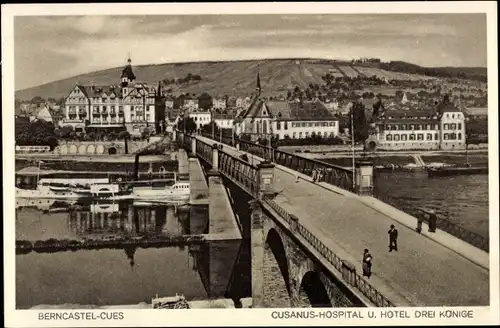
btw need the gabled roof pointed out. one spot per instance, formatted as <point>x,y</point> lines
<point>410,113</point>
<point>92,91</point>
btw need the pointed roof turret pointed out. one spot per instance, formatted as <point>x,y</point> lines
<point>127,71</point>
<point>258,83</point>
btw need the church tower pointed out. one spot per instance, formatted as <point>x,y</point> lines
<point>127,74</point>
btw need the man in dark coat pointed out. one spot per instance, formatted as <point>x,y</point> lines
<point>367,263</point>
<point>432,221</point>
<point>393,238</point>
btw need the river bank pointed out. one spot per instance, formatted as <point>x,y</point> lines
<point>146,163</point>
<point>414,161</point>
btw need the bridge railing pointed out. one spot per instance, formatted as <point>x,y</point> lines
<point>443,222</point>
<point>355,279</point>
<point>333,174</point>
<point>240,171</point>
<point>246,175</point>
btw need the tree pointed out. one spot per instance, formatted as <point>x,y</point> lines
<point>205,101</point>
<point>111,136</point>
<point>37,133</point>
<point>124,135</point>
<point>189,126</point>
<point>359,123</point>
<point>37,100</point>
<point>65,132</point>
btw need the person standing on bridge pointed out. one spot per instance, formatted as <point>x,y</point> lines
<point>367,263</point>
<point>393,238</point>
<point>432,221</point>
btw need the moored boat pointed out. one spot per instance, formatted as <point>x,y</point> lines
<point>162,191</point>
<point>456,170</point>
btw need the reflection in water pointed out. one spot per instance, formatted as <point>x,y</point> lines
<point>51,219</point>
<point>129,275</point>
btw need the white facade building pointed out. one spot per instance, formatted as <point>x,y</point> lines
<point>283,119</point>
<point>190,104</point>
<point>201,117</point>
<point>440,129</point>
<point>224,121</point>
<point>130,105</point>
<point>219,103</point>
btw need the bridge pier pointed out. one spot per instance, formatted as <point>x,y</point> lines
<point>363,177</point>
<point>266,176</point>
<point>257,247</point>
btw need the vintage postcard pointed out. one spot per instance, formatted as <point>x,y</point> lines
<point>282,164</point>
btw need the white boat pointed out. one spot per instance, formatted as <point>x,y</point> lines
<point>162,191</point>
<point>59,188</point>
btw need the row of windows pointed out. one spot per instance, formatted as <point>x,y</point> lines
<point>405,137</point>
<point>112,120</point>
<point>411,127</point>
<point>452,136</point>
<point>120,108</point>
<point>201,118</point>
<point>306,134</point>
<point>305,124</point>
<point>452,126</point>
<point>111,100</point>
<point>453,115</point>
<point>420,136</point>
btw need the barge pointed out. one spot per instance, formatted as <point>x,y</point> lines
<point>456,170</point>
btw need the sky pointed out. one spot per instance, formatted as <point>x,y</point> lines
<point>49,48</point>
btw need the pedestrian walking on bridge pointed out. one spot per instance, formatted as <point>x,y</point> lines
<point>393,238</point>
<point>367,263</point>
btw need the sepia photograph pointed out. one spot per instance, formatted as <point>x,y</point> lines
<point>251,160</point>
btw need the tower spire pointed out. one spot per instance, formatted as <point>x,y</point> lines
<point>259,89</point>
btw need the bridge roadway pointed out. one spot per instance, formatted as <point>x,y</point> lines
<point>421,273</point>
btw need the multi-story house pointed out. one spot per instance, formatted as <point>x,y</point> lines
<point>439,128</point>
<point>224,121</point>
<point>133,106</point>
<point>281,119</point>
<point>220,103</point>
<point>201,117</point>
<point>190,104</point>
<point>243,103</point>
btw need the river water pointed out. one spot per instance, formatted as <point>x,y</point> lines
<point>463,199</point>
<point>134,275</point>
<point>129,275</point>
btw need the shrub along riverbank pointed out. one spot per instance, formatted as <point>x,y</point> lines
<point>61,245</point>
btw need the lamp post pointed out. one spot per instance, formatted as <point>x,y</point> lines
<point>352,146</point>
<point>184,120</point>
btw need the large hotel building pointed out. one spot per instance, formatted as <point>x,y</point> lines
<point>131,106</point>
<point>442,128</point>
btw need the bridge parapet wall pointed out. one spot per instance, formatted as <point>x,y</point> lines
<point>348,272</point>
<point>320,259</point>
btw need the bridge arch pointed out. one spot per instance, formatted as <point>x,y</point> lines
<point>275,243</point>
<point>315,290</point>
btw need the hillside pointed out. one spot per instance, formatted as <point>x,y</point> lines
<point>235,78</point>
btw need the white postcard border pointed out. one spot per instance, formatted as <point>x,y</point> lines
<point>243,317</point>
